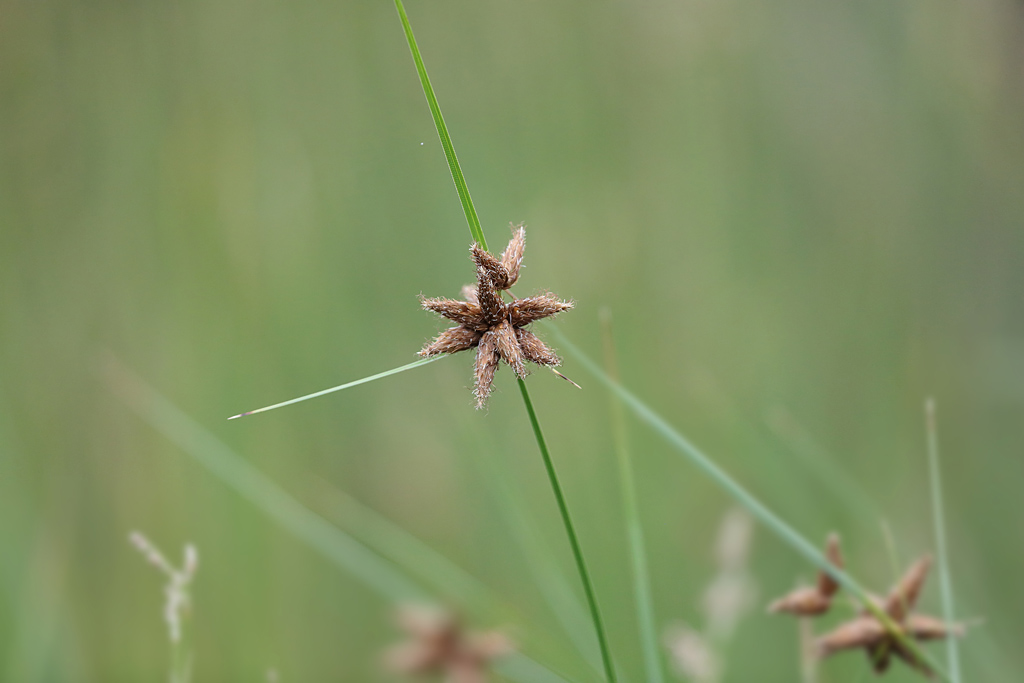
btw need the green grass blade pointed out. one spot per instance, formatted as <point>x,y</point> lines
<point>364,380</point>
<point>213,454</point>
<point>938,511</point>
<point>442,132</point>
<point>547,577</point>
<point>822,464</point>
<point>631,513</point>
<point>570,530</point>
<point>478,235</point>
<point>344,551</point>
<point>776,524</point>
<point>406,550</point>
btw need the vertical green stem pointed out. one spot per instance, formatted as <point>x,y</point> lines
<point>631,512</point>
<point>945,583</point>
<point>474,227</point>
<point>570,530</point>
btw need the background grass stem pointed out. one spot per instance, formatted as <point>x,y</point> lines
<point>570,530</point>
<point>939,515</point>
<point>776,524</point>
<point>365,564</point>
<point>631,513</point>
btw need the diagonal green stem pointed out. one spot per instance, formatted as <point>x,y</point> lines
<point>783,530</point>
<point>364,380</point>
<point>570,530</point>
<point>442,132</point>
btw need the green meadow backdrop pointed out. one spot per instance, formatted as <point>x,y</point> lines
<point>805,218</point>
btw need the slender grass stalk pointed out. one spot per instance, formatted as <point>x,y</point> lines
<point>631,513</point>
<point>474,227</point>
<point>232,469</point>
<point>822,464</point>
<point>776,524</point>
<point>406,550</point>
<point>364,380</point>
<point>938,512</point>
<point>363,563</point>
<point>442,132</point>
<point>577,552</point>
<point>547,576</point>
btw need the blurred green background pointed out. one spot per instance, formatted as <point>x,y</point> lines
<point>804,216</point>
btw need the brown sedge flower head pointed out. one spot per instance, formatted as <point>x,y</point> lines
<point>495,327</point>
<point>866,632</point>
<point>438,644</point>
<point>811,601</point>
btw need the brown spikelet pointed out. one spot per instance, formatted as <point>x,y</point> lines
<point>856,633</point>
<point>463,312</point>
<point>903,597</point>
<point>438,644</point>
<point>879,656</point>
<point>508,348</point>
<point>924,627</point>
<point>494,268</point>
<point>486,364</point>
<point>804,602</point>
<point>811,601</point>
<point>534,350</point>
<point>533,308</point>
<point>492,307</point>
<point>452,340</point>
<point>512,257</point>
<point>912,660</point>
<point>828,586</point>
<point>469,294</point>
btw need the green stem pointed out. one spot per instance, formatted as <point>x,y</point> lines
<point>631,512</point>
<point>570,530</point>
<point>442,132</point>
<point>731,486</point>
<point>478,235</point>
<point>945,583</point>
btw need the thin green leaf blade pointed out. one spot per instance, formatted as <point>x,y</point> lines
<point>776,524</point>
<point>362,562</point>
<point>939,515</point>
<point>631,512</point>
<point>442,132</point>
<point>364,380</point>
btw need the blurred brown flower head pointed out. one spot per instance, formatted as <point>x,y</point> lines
<point>496,327</point>
<point>866,632</point>
<point>809,601</point>
<point>439,645</point>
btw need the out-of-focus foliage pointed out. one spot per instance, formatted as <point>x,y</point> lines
<point>806,217</point>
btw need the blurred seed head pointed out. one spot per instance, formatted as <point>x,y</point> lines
<point>691,655</point>
<point>438,643</point>
<point>812,601</point>
<point>178,601</point>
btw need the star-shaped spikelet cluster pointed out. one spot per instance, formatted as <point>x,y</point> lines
<point>495,327</point>
<point>438,644</point>
<point>865,631</point>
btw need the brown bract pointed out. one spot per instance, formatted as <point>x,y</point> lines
<point>811,601</point>
<point>496,327</point>
<point>866,632</point>
<point>438,645</point>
